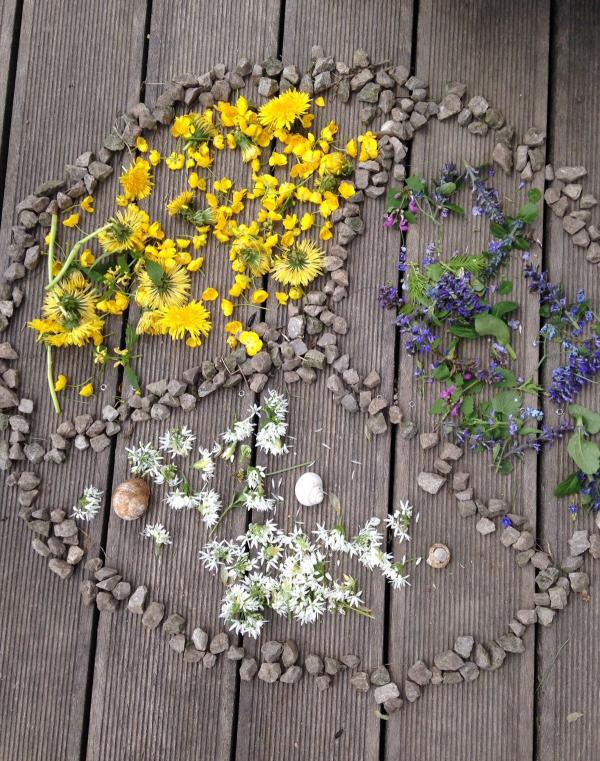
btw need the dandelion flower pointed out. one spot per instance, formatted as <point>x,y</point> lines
<point>172,288</point>
<point>126,231</point>
<point>72,220</point>
<point>191,318</point>
<point>87,390</point>
<point>182,201</point>
<point>61,383</point>
<point>136,180</point>
<point>283,110</point>
<point>299,264</point>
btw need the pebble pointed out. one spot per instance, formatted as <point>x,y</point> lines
<point>314,664</point>
<point>469,672</point>
<point>87,588</point>
<point>429,440</point>
<point>153,615</point>
<point>380,676</point>
<point>485,526</point>
<point>463,645</point>
<point>579,542</point>
<point>412,691</point>
<point>269,672</point>
<point>579,581</point>
<point>448,661</point>
<point>323,682</point>
<point>525,541</point>
<point>482,657</point>
<point>430,482</point>
<point>173,624</point>
<point>387,691</point>
<point>209,660</point>
<point>558,598</point>
<point>219,643</point>
<point>105,601</point>
<point>451,452</point>
<point>61,568</point>
<point>360,681</point>
<point>137,600</point>
<point>420,673</point>
<point>291,675</point>
<point>545,616</point>
<point>248,669</point>
<point>177,643</point>
<point>510,643</point>
<point>235,653</point>
<point>271,651</point>
<point>350,660</point>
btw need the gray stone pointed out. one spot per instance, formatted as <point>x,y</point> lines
<point>545,616</point>
<point>291,675</point>
<point>248,669</point>
<point>485,526</point>
<point>509,536</point>
<point>380,676</point>
<point>448,661</point>
<point>579,581</point>
<point>420,673</point>
<point>430,482</point>
<point>271,651</point>
<point>525,541</point>
<point>219,643</point>
<point>323,682</point>
<point>235,653</point>
<point>360,681</point>
<point>350,660</point>
<point>579,542</point>
<point>153,615</point>
<point>386,692</point>
<point>502,155</point>
<point>469,672</point>
<point>191,655</point>
<point>314,664</point>
<point>429,440</point>
<point>595,546</point>
<point>209,660</point>
<point>376,424</point>
<point>478,105</point>
<point>570,173</point>
<point>558,598</point>
<point>269,672</point>
<point>200,639</point>
<point>66,528</point>
<point>510,643</point>
<point>570,564</point>
<point>60,567</point>
<point>482,657</point>
<point>412,691</point>
<point>106,602</point>
<point>463,646</point>
<point>527,616</point>
<point>451,452</point>
<point>173,624</point>
<point>547,578</point>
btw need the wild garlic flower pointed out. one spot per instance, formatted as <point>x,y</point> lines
<point>180,499</point>
<point>89,504</point>
<point>178,441</point>
<point>239,432</point>
<point>399,522</point>
<point>209,506</point>
<point>159,535</point>
<point>206,464</point>
<point>271,435</point>
<point>144,460</point>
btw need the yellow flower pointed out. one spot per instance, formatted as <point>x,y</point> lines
<point>141,144</point>
<point>210,294</point>
<point>258,297</point>
<point>278,159</point>
<point>251,341</point>
<point>281,112</point>
<point>126,231</point>
<point>117,305</point>
<point>307,221</point>
<point>299,264</point>
<point>154,157</point>
<point>100,355</point>
<point>282,297</point>
<point>182,201</point>
<point>191,319</point>
<point>226,307</point>
<point>352,148</point>
<point>296,293</point>
<point>148,323</point>
<point>320,101</point>
<point>369,148</point>
<point>88,204</point>
<point>199,241</point>
<point>87,258</point>
<point>346,190</point>
<point>61,383</point>
<point>166,287</point>
<point>219,142</point>
<point>195,264</point>
<point>72,220</point>
<point>233,327</point>
<point>223,185</point>
<point>326,232</point>
<point>175,161</point>
<point>197,182</point>
<point>136,181</point>
<point>87,390</point>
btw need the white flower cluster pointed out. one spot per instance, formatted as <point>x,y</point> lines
<point>89,505</point>
<point>271,434</point>
<point>287,572</point>
<point>159,535</point>
<point>177,442</point>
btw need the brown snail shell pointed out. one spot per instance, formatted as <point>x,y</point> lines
<point>130,499</point>
<point>438,556</point>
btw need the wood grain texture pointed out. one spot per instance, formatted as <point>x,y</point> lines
<point>299,722</point>
<point>45,631</point>
<point>8,16</point>
<point>569,666</point>
<point>479,44</point>
<point>142,689</point>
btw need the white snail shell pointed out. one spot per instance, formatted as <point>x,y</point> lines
<point>309,489</point>
<point>438,556</point>
<point>130,499</point>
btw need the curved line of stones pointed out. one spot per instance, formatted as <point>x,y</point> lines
<point>381,89</point>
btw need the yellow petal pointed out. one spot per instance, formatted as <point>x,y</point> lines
<point>260,296</point>
<point>210,294</point>
<point>87,390</point>
<point>72,220</point>
<point>61,383</point>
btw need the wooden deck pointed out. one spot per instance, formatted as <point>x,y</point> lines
<point>75,684</point>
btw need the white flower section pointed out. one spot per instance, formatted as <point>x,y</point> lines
<point>89,504</point>
<point>177,442</point>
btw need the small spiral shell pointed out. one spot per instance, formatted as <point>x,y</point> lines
<point>130,499</point>
<point>309,489</point>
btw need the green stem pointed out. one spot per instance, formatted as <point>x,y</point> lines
<point>49,358</point>
<point>74,252</point>
<point>306,464</point>
<point>233,504</point>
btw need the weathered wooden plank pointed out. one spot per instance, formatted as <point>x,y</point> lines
<point>482,45</point>
<point>568,665</point>
<point>45,631</point>
<point>299,722</point>
<point>174,708</point>
<point>8,32</point>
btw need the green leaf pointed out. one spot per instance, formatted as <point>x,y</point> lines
<point>417,184</point>
<point>570,485</point>
<point>155,271</point>
<point>509,379</point>
<point>468,406</point>
<point>591,419</point>
<point>463,332</point>
<point>132,377</point>
<point>489,325</point>
<point>534,195</point>
<point>585,454</point>
<point>505,287</point>
<point>442,372</point>
<point>504,307</point>
<point>498,231</point>
<point>505,467</point>
<point>447,188</point>
<point>454,208</point>
<point>438,407</point>
<point>508,403</point>
<point>528,213</point>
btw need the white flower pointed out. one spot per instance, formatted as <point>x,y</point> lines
<point>144,460</point>
<point>206,464</point>
<point>89,504</point>
<point>177,441</point>
<point>180,500</point>
<point>271,435</point>
<point>159,535</point>
<point>255,477</point>
<point>209,506</point>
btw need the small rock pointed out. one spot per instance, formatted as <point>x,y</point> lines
<point>469,672</point>
<point>137,600</point>
<point>485,526</point>
<point>579,542</point>
<point>248,669</point>
<point>271,651</point>
<point>360,681</point>
<point>420,673</point>
<point>451,452</point>
<point>430,482</point>
<point>153,615</point>
<point>545,616</point>
<point>219,643</point>
<point>510,643</point>
<point>412,691</point>
<point>269,672</point>
<point>61,568</point>
<point>291,675</point>
<point>429,440</point>
<point>380,676</point>
<point>386,692</point>
<point>464,645</point>
<point>579,581</point>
